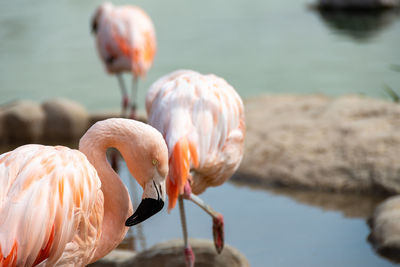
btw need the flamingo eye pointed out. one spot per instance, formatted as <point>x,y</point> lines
<point>154,162</point>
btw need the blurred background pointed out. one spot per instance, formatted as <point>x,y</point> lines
<point>273,46</point>
<point>259,47</point>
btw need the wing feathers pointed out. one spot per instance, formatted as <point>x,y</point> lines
<point>205,110</point>
<point>51,192</point>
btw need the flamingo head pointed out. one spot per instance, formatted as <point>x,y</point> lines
<point>151,176</point>
<point>97,15</point>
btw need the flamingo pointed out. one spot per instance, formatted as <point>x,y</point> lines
<point>201,118</point>
<point>126,42</point>
<point>64,207</point>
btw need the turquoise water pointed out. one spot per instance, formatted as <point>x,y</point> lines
<point>274,46</point>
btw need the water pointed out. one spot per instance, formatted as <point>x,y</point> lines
<point>272,229</point>
<point>274,46</point>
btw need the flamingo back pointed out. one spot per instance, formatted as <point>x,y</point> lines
<point>51,207</point>
<point>202,120</point>
<point>125,39</point>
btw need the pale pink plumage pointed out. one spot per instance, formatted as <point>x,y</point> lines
<point>60,207</point>
<point>205,111</point>
<point>125,38</point>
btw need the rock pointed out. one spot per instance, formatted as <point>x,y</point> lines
<point>357,4</point>
<point>345,144</point>
<point>98,116</point>
<point>22,122</point>
<point>55,121</point>
<point>65,120</point>
<point>116,258</point>
<point>171,254</point>
<point>360,26</point>
<point>385,228</point>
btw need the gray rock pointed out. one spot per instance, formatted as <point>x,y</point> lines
<point>385,228</point>
<point>65,120</point>
<point>358,4</point>
<point>21,122</point>
<point>116,258</point>
<point>345,144</point>
<point>98,116</point>
<point>171,254</point>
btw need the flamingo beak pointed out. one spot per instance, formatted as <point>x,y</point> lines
<point>94,26</point>
<point>147,208</point>
<point>152,202</point>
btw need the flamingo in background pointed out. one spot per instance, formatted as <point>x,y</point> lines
<point>201,118</point>
<point>126,42</point>
<point>64,207</point>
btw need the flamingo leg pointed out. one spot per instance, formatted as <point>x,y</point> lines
<point>189,255</point>
<point>125,101</point>
<point>218,219</point>
<point>115,156</point>
<point>125,97</point>
<point>133,97</point>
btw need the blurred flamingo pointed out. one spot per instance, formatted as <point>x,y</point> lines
<point>202,120</point>
<point>63,207</point>
<point>126,42</point>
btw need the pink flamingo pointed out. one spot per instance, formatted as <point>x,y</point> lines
<point>64,207</point>
<point>202,120</point>
<point>126,41</point>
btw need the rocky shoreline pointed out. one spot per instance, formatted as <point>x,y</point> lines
<point>345,144</point>
<point>314,142</point>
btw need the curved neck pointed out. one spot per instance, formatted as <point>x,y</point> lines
<point>117,203</point>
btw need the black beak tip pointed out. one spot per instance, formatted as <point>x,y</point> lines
<point>130,221</point>
<point>147,208</point>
